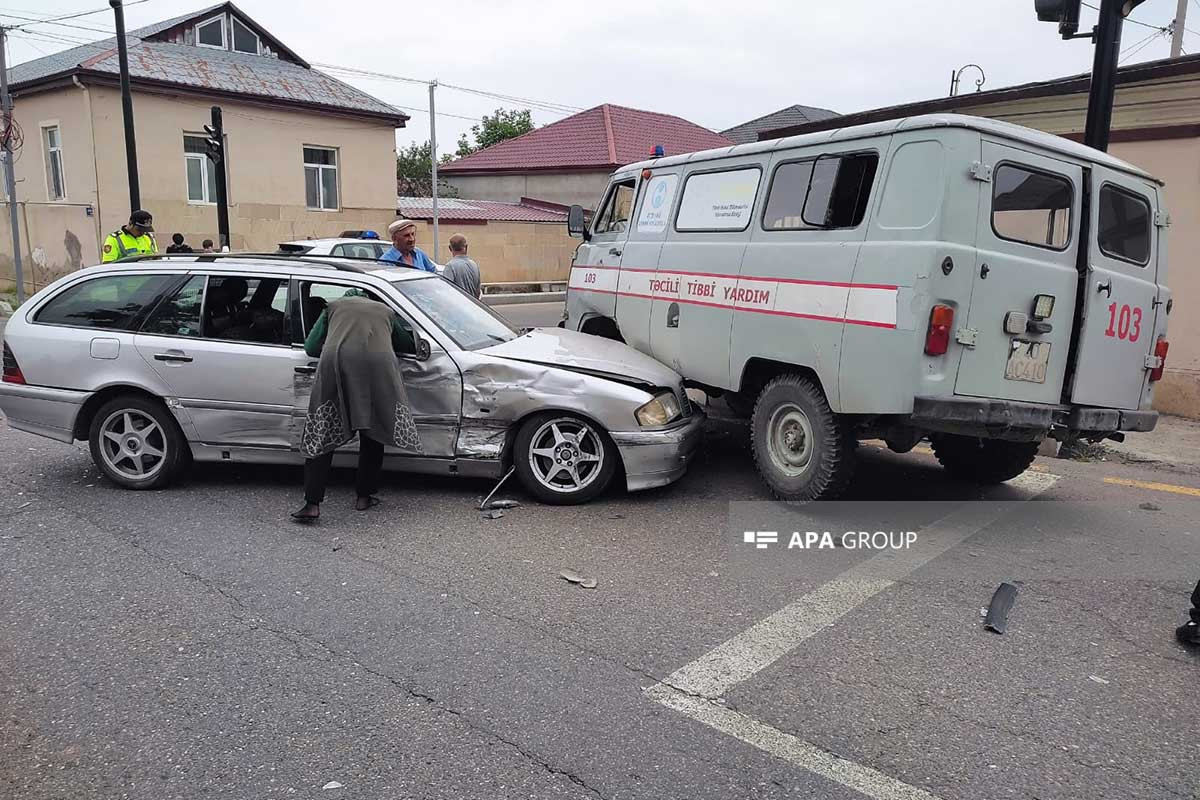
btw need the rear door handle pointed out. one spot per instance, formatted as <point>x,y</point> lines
<point>1105,287</point>
<point>175,356</point>
<point>309,370</point>
<point>612,251</point>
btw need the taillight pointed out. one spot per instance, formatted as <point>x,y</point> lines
<point>937,339</point>
<point>12,370</point>
<point>1160,350</point>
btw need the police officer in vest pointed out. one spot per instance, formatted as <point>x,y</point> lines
<point>134,239</point>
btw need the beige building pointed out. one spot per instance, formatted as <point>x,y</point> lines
<point>307,155</point>
<point>524,242</point>
<point>1156,125</point>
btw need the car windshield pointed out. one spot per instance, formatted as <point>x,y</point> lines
<point>468,322</point>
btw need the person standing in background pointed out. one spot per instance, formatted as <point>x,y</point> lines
<point>462,270</point>
<point>206,246</point>
<point>133,239</point>
<point>177,244</point>
<point>1189,632</point>
<point>404,251</point>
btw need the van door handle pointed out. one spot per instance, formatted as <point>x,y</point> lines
<point>308,370</point>
<point>612,251</point>
<point>175,356</point>
<point>1105,287</point>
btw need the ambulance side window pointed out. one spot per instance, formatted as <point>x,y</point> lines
<point>617,208</point>
<point>1031,207</point>
<point>821,193</point>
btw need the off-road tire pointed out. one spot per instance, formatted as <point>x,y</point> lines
<point>983,461</point>
<point>177,455</point>
<point>830,463</point>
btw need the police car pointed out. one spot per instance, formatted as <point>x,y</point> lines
<point>351,244</point>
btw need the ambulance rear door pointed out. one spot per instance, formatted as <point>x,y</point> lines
<point>1121,296</point>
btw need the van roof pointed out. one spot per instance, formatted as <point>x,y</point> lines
<point>991,127</point>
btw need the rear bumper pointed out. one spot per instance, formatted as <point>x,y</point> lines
<point>42,410</point>
<point>1022,420</point>
<point>656,458</point>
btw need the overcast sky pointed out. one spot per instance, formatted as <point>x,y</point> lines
<point>716,69</point>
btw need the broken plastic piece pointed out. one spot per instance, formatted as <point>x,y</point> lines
<point>588,583</point>
<point>570,575</point>
<point>503,504</point>
<point>495,513</point>
<point>332,785</point>
<point>1150,507</point>
<point>1002,602</point>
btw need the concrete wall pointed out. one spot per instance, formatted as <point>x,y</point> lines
<point>507,251</point>
<point>266,165</point>
<point>55,239</point>
<point>567,188</point>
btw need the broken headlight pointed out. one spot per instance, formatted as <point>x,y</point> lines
<point>663,409</point>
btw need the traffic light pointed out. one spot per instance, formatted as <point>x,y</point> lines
<point>214,145</point>
<point>1064,12</point>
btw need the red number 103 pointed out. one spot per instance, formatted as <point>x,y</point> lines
<point>1119,322</point>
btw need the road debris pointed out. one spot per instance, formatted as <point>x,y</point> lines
<point>1150,507</point>
<point>495,513</point>
<point>589,583</point>
<point>1002,602</point>
<point>496,488</point>
<point>503,504</point>
<point>332,785</point>
<point>1097,679</point>
<point>570,575</point>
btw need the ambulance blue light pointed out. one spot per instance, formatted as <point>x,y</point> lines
<point>658,151</point>
<point>370,235</point>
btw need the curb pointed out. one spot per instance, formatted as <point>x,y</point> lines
<point>523,298</point>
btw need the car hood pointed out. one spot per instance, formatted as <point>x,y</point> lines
<point>582,352</point>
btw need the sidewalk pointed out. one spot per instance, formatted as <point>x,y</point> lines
<point>1174,445</point>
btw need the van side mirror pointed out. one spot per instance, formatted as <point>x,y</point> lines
<point>576,226</point>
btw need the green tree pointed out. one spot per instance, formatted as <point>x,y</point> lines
<point>414,172</point>
<point>504,124</point>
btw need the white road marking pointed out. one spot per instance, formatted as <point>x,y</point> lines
<point>694,688</point>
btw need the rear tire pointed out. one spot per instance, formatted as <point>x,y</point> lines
<point>136,443</point>
<point>563,459</point>
<point>803,450</point>
<point>984,461</point>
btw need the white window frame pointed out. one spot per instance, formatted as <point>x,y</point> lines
<point>258,39</point>
<point>337,177</point>
<point>202,157</point>
<point>47,151</point>
<point>224,33</point>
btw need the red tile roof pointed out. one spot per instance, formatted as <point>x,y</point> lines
<point>484,210</point>
<point>601,138</point>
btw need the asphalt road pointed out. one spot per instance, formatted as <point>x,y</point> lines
<point>193,642</point>
<point>532,315</point>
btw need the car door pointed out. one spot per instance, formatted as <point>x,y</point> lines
<point>695,287</point>
<point>433,383</point>
<point>1121,296</point>
<point>220,344</point>
<point>593,283</point>
<point>1027,240</point>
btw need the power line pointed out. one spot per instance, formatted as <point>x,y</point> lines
<point>1133,50</point>
<point>56,24</point>
<point>1134,21</point>
<point>78,14</point>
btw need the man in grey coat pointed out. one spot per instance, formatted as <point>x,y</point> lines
<point>462,270</point>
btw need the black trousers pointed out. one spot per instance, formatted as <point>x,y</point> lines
<point>1194,613</point>
<point>370,465</point>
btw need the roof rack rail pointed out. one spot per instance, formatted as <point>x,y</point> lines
<point>203,258</point>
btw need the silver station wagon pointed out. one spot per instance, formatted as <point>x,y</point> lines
<point>163,360</point>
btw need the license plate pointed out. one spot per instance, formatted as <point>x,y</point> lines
<point>1027,361</point>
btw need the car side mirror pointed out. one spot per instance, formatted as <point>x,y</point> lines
<point>423,349</point>
<point>576,226</point>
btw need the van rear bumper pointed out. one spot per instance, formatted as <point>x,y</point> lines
<point>1015,420</point>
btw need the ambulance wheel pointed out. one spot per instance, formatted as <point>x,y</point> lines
<point>563,459</point>
<point>802,449</point>
<point>986,461</point>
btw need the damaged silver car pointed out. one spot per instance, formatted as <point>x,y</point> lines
<point>166,360</point>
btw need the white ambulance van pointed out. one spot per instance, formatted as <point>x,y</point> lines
<point>959,279</point>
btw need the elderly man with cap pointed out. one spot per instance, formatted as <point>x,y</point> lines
<point>133,239</point>
<point>404,251</point>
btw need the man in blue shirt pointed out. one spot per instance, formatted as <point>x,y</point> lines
<point>404,251</point>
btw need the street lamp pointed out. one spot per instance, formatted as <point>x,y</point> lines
<point>956,76</point>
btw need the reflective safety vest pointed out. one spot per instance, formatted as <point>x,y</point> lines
<point>120,244</point>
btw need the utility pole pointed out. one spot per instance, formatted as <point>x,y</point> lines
<point>1177,29</point>
<point>135,194</point>
<point>215,150</point>
<point>433,158</point>
<point>1107,37</point>
<point>10,181</point>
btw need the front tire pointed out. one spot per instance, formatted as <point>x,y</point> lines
<point>984,461</point>
<point>136,443</point>
<point>562,459</point>
<point>803,450</point>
